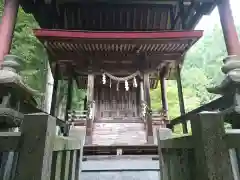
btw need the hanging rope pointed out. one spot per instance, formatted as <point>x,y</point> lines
<point>126,78</point>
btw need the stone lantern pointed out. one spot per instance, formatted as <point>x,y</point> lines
<point>16,98</point>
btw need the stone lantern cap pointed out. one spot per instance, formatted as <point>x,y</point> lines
<point>9,76</point>
<point>231,69</point>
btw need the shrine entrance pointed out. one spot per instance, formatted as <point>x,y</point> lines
<point>116,97</point>
<point>115,104</point>
<point>117,118</point>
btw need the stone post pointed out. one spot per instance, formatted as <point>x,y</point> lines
<point>211,152</point>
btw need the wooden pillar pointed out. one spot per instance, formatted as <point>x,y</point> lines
<point>90,88</point>
<point>211,152</point>
<point>7,25</point>
<point>85,103</point>
<point>90,98</point>
<point>141,91</point>
<point>228,27</point>
<point>164,95</point>
<point>69,97</point>
<point>68,104</point>
<point>150,139</point>
<point>142,103</point>
<point>180,98</point>
<point>55,89</point>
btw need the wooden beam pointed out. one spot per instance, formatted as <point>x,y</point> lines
<point>193,15</point>
<point>66,57</point>
<point>159,2</point>
<point>56,34</point>
<point>192,9</point>
<point>220,103</point>
<point>188,17</point>
<point>180,16</point>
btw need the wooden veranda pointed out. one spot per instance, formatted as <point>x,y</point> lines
<point>128,45</point>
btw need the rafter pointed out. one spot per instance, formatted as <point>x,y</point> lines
<point>113,57</point>
<point>196,8</point>
<point>195,17</point>
<point>180,15</point>
<point>167,2</point>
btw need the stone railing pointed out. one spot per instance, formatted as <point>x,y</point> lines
<point>75,115</point>
<point>36,145</point>
<point>208,153</point>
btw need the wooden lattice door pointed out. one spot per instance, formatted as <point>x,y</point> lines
<point>115,104</point>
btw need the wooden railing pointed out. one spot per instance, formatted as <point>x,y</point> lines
<point>77,115</point>
<point>160,119</point>
<point>209,153</point>
<point>218,104</point>
<point>37,153</point>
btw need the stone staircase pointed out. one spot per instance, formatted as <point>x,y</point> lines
<point>126,133</point>
<point>120,168</point>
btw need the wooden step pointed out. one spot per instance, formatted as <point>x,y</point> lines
<point>119,133</point>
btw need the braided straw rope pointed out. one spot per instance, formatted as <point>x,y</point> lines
<point>126,78</point>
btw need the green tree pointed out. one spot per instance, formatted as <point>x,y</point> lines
<point>190,99</point>
<point>33,55</point>
<point>202,67</point>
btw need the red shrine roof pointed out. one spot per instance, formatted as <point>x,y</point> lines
<point>117,51</point>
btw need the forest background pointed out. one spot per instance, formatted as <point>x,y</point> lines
<point>201,67</point>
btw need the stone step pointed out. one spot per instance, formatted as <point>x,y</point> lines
<point>119,133</point>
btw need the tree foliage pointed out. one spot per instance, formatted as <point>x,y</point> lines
<point>202,69</point>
